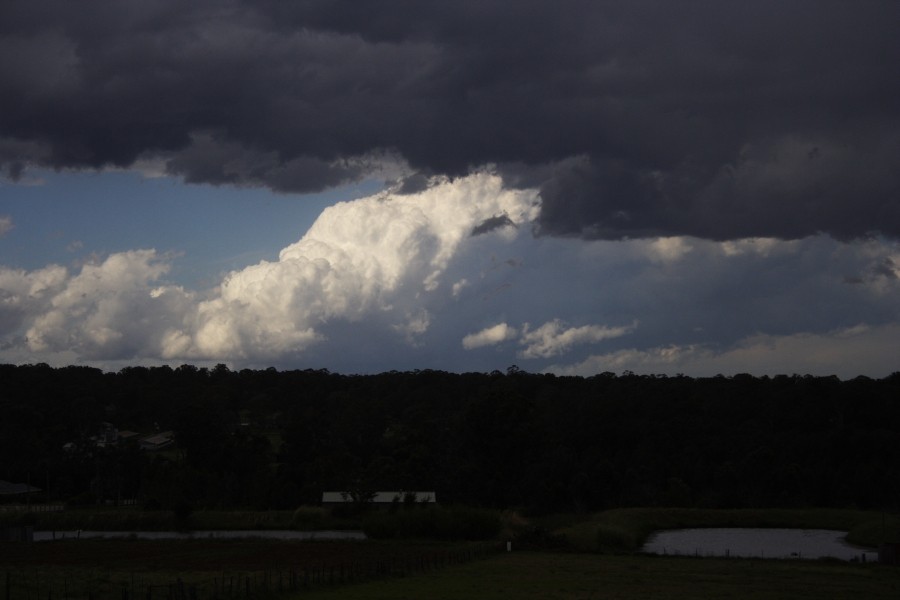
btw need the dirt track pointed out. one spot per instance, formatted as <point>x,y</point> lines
<point>208,555</point>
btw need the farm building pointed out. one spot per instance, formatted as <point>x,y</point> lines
<point>157,441</point>
<point>379,498</point>
<point>10,490</point>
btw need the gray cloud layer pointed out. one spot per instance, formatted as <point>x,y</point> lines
<point>717,119</point>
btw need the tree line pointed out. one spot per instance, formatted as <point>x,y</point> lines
<point>270,439</point>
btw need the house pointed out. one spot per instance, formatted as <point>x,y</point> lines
<point>107,436</point>
<point>128,436</point>
<point>157,441</point>
<point>379,498</point>
<point>8,489</point>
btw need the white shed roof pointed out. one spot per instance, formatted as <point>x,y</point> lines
<point>379,498</point>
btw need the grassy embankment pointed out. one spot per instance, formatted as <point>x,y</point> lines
<point>434,523</point>
<point>613,531</point>
<point>625,530</point>
<point>135,519</point>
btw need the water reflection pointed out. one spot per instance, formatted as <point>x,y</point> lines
<point>759,543</point>
<point>44,536</point>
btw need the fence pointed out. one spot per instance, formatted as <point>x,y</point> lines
<point>51,584</point>
<point>31,507</point>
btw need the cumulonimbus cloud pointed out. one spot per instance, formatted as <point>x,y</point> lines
<point>24,295</point>
<point>361,258</point>
<point>111,309</point>
<point>397,281</point>
<point>634,118</point>
<point>377,259</point>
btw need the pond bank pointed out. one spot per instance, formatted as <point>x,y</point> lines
<point>758,543</point>
<point>330,535</point>
<point>626,530</point>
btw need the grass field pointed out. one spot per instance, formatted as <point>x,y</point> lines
<point>100,569</point>
<point>305,518</point>
<point>106,569</point>
<point>560,576</point>
<point>595,559</point>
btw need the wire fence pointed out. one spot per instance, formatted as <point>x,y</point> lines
<point>27,508</point>
<point>54,584</point>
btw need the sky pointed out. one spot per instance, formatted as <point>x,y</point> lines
<point>700,187</point>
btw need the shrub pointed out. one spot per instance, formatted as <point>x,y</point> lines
<point>181,512</point>
<point>538,538</point>
<point>83,499</point>
<point>308,517</point>
<point>456,523</point>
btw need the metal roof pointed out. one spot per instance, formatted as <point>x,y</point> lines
<point>9,488</point>
<point>379,498</point>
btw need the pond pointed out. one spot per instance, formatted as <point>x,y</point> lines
<point>757,543</point>
<point>45,536</point>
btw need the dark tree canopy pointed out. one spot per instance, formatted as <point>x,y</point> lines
<point>277,439</point>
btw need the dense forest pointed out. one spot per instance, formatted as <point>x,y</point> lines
<point>277,439</point>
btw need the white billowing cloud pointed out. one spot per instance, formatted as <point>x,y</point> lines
<point>459,286</point>
<point>662,359</point>
<point>368,258</point>
<point>846,352</point>
<point>397,281</point>
<point>550,339</point>
<point>415,325</point>
<point>6,225</point>
<point>489,336</point>
<point>110,309</point>
<point>379,260</point>
<point>553,338</point>
<point>26,294</point>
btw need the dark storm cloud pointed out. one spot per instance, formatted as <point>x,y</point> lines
<point>491,224</point>
<point>209,160</point>
<point>413,184</point>
<point>635,118</point>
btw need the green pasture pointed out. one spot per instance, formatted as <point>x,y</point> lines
<point>116,569</point>
<point>438,523</point>
<point>305,518</point>
<point>568,576</point>
<point>558,556</point>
